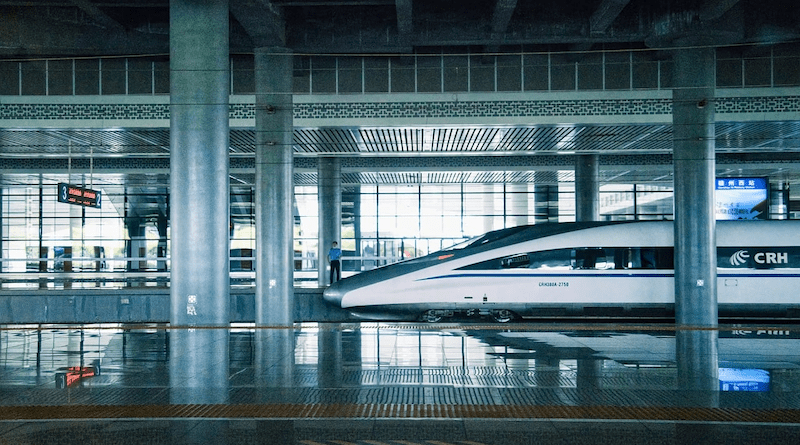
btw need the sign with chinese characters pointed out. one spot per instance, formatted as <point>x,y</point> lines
<point>741,198</point>
<point>734,379</point>
<point>73,194</point>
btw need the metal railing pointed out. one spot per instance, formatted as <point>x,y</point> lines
<point>119,272</point>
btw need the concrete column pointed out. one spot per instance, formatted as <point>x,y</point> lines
<point>274,188</point>
<point>199,141</point>
<point>696,356</point>
<point>693,157</point>
<point>695,225</point>
<point>199,372</point>
<point>329,174</point>
<point>547,370</point>
<point>351,350</point>
<point>274,363</point>
<point>199,365</point>
<point>329,356</point>
<point>587,188</point>
<point>588,378</point>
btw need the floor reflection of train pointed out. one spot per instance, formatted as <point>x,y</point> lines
<point>579,269</point>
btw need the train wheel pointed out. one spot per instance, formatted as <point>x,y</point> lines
<point>431,316</point>
<point>503,315</point>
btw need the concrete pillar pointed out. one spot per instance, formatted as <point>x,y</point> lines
<point>199,143</point>
<point>274,363</point>
<point>329,174</point>
<point>696,356</point>
<point>199,365</point>
<point>588,378</point>
<point>351,350</point>
<point>693,157</point>
<point>587,188</point>
<point>547,369</point>
<point>695,225</point>
<point>329,356</point>
<point>199,372</point>
<point>274,188</point>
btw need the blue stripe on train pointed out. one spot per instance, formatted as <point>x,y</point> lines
<point>604,275</point>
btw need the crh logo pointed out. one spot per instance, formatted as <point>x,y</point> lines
<point>739,258</point>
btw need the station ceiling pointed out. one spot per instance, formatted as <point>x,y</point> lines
<point>75,28</point>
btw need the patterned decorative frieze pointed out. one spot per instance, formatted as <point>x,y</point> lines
<point>409,110</point>
<point>84,111</point>
<point>460,109</point>
<point>768,104</point>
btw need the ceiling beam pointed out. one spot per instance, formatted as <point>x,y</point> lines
<point>262,20</point>
<point>97,15</point>
<point>27,34</point>
<point>600,21</point>
<point>605,14</point>
<point>503,10</point>
<point>714,9</point>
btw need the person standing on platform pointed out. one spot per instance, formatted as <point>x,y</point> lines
<point>334,256</point>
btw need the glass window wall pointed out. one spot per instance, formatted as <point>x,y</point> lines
<point>436,71</point>
<point>127,239</point>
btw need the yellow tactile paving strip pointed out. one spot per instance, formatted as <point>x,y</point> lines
<point>397,411</point>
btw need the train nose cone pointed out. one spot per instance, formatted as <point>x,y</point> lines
<point>333,295</point>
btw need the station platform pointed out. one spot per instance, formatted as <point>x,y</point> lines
<point>392,383</point>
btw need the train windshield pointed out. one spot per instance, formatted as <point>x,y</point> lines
<point>487,238</point>
<point>462,244</point>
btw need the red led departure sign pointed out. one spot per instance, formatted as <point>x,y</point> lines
<point>73,194</point>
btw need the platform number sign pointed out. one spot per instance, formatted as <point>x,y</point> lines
<point>73,194</point>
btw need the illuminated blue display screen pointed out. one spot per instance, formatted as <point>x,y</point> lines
<point>736,379</point>
<point>741,198</point>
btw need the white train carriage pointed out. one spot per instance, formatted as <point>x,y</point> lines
<point>580,269</point>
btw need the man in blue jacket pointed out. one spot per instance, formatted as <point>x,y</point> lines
<point>334,256</point>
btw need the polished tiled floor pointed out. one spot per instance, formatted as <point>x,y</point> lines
<point>399,384</point>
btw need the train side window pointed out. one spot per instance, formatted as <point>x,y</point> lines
<point>550,259</point>
<point>644,258</point>
<point>648,258</point>
<point>621,258</point>
<point>515,261</point>
<point>591,258</point>
<point>665,258</point>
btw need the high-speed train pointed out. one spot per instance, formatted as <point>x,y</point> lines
<point>593,269</point>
